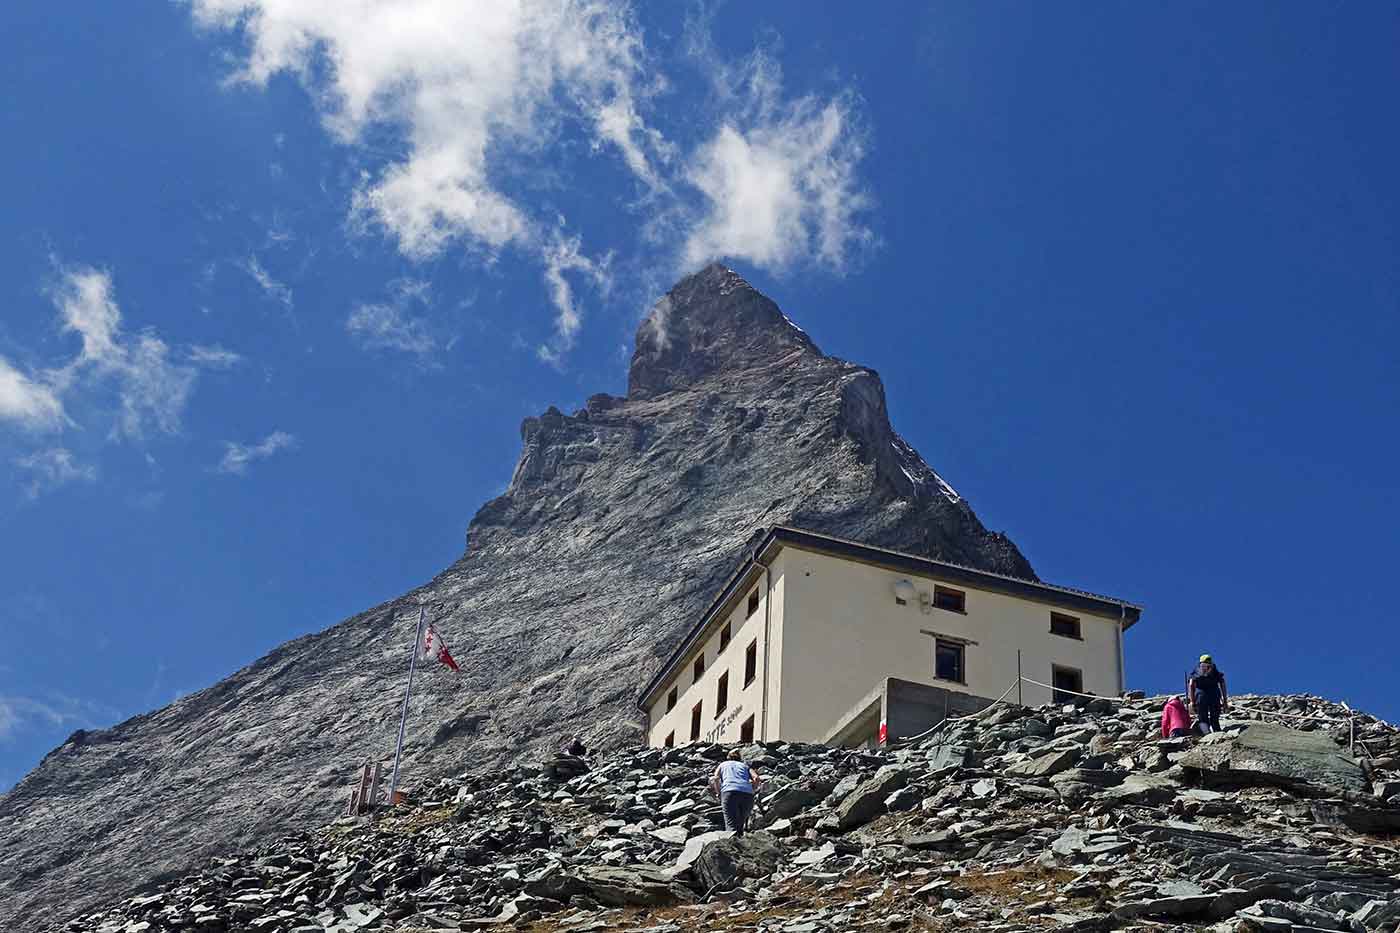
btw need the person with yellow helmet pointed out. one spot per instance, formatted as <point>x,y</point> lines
<point>1206,693</point>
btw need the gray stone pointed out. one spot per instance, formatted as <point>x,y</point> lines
<point>867,801</point>
<point>724,862</point>
<point>1047,765</point>
<point>1269,754</point>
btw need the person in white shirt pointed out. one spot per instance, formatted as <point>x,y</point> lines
<point>735,783</point>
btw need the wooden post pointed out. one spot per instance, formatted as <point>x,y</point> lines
<point>1020,700</point>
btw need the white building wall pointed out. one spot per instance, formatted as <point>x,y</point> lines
<point>743,701</point>
<point>843,632</point>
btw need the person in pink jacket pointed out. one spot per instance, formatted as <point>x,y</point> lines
<point>1176,721</point>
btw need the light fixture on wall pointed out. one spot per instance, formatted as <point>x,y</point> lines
<point>904,592</point>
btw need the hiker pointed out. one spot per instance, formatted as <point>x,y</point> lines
<point>735,783</point>
<point>1176,722</point>
<point>1207,694</point>
<point>576,748</point>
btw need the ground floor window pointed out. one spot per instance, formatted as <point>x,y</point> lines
<point>949,660</point>
<point>1067,679</point>
<point>670,740</point>
<point>695,723</point>
<point>746,731</point>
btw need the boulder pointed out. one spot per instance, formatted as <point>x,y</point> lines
<point>635,885</point>
<point>1047,765</point>
<point>1275,755</point>
<point>723,863</point>
<point>867,801</point>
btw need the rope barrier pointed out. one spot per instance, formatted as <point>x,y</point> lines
<point>942,722</point>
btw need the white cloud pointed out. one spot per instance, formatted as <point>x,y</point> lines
<point>271,287</point>
<point>563,255</point>
<point>29,403</point>
<point>55,711</point>
<point>52,468</point>
<point>237,456</point>
<point>151,390</point>
<point>213,357</point>
<point>390,325</point>
<point>480,90</point>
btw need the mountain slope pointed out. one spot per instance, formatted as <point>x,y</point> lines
<point>617,526</point>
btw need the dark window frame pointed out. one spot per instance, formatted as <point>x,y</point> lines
<point>1065,621</point>
<point>746,731</point>
<point>958,597</point>
<point>697,719</point>
<point>670,740</point>
<point>672,698</point>
<point>1055,695</point>
<point>751,662</point>
<point>698,668</point>
<point>722,694</point>
<point>752,606</point>
<point>942,645</point>
<point>726,634</point>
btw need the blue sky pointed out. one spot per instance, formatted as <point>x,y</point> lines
<point>280,278</point>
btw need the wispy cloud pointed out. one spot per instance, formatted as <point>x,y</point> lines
<point>51,711</point>
<point>151,390</point>
<point>51,468</point>
<point>391,325</point>
<point>129,380</point>
<point>28,402</point>
<point>476,88</point>
<point>213,357</point>
<point>272,288</point>
<point>237,457</point>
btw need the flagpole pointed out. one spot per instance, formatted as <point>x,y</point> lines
<point>403,717</point>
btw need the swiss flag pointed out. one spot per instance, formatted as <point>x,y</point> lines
<point>435,647</point>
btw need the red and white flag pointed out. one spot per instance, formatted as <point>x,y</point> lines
<point>435,647</point>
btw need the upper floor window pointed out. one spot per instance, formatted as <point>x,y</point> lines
<point>699,667</point>
<point>672,697</point>
<point>722,694</point>
<point>1067,626</point>
<point>750,662</point>
<point>945,597</point>
<point>753,604</point>
<point>724,635</point>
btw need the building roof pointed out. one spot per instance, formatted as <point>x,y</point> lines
<point>781,536</point>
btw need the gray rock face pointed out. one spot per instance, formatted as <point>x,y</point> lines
<point>618,525</point>
<point>723,862</point>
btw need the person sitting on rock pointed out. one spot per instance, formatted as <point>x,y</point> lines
<point>1176,722</point>
<point>1207,695</point>
<point>576,747</point>
<point>735,783</point>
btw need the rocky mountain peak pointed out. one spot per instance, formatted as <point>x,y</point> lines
<point>620,522</point>
<point>710,322</point>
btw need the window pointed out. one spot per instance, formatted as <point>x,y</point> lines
<point>948,598</point>
<point>1066,679</point>
<point>695,723</point>
<point>1067,626</point>
<point>724,634</point>
<point>753,604</point>
<point>750,662</point>
<point>722,694</point>
<point>746,731</point>
<point>699,667</point>
<point>948,660</point>
<point>670,739</point>
<point>672,697</point>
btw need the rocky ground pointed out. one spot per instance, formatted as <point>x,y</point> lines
<point>1058,818</point>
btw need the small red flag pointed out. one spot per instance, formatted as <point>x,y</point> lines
<point>435,647</point>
